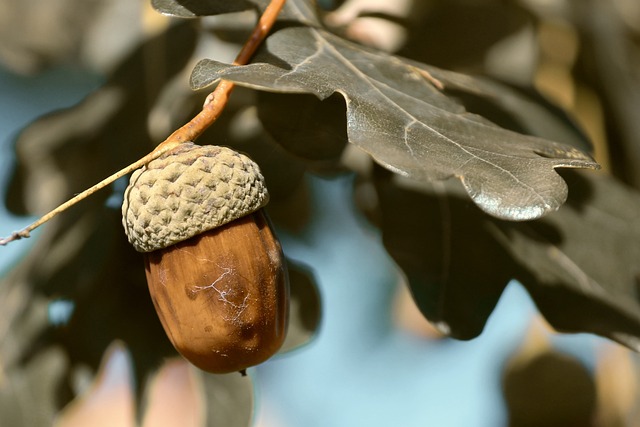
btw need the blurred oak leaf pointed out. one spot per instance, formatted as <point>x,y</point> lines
<point>177,394</point>
<point>549,389</point>
<point>456,271</point>
<point>37,34</point>
<point>579,264</point>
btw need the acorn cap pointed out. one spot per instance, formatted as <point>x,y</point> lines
<point>187,191</point>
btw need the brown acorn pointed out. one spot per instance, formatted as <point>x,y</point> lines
<point>215,269</point>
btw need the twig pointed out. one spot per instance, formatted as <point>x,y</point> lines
<point>26,232</point>
<point>216,102</point>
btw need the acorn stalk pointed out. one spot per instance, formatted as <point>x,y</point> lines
<point>215,269</point>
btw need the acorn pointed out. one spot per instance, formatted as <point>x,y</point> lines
<point>214,267</point>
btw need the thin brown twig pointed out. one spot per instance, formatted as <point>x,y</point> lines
<point>217,101</point>
<point>25,232</point>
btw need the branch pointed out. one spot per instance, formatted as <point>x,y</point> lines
<point>215,104</point>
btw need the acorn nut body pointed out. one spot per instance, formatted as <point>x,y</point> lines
<point>215,269</point>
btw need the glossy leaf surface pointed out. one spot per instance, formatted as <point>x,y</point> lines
<point>396,114</point>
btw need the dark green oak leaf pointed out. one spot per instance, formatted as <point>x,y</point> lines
<point>397,114</point>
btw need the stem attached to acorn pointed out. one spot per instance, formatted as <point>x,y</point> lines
<point>216,102</point>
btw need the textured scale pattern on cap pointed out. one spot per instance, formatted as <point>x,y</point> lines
<point>188,191</point>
